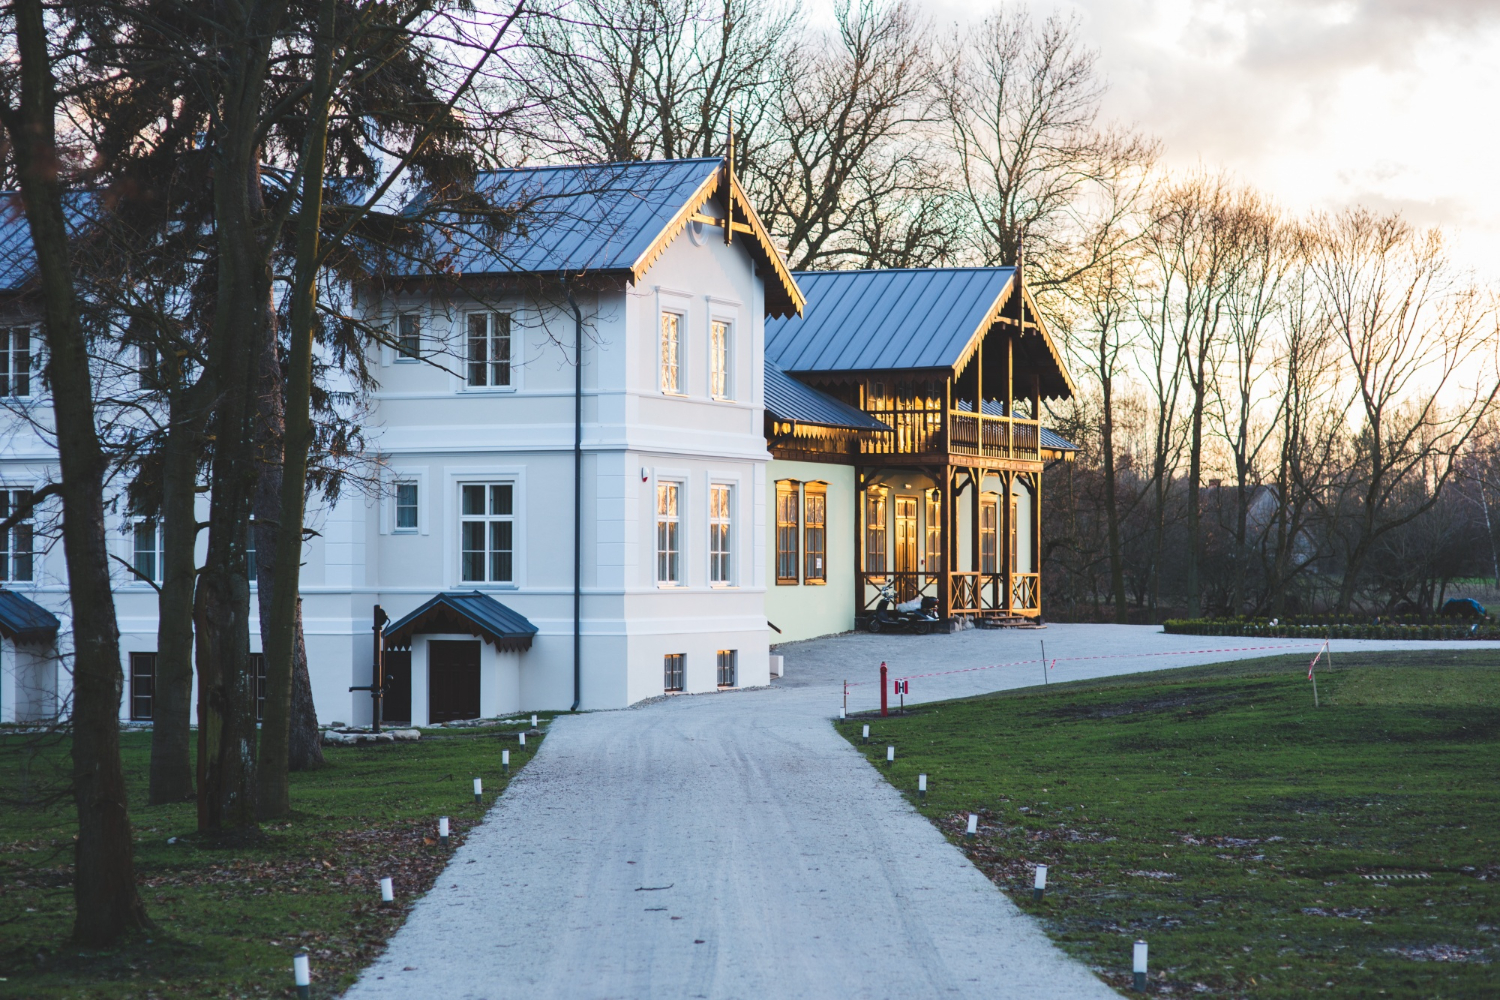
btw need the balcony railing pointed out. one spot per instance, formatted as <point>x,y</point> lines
<point>920,431</point>
<point>968,593</point>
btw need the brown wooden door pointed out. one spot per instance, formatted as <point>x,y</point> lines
<point>906,548</point>
<point>452,680</point>
<point>396,706</point>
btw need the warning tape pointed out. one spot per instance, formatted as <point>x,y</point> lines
<point>1108,656</point>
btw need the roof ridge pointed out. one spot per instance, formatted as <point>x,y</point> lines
<point>596,166</point>
<point>911,270</point>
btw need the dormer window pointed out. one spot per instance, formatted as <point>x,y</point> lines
<point>671,352</point>
<point>721,354</point>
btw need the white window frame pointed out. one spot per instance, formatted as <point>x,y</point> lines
<point>397,528</point>
<point>721,561</point>
<point>721,381</point>
<point>157,553</point>
<point>400,355</point>
<point>490,517</point>
<point>491,340</point>
<point>679,535</point>
<point>9,355</point>
<point>678,361</point>
<point>23,528</point>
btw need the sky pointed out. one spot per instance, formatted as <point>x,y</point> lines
<point>1393,104</point>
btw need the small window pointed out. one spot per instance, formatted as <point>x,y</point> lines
<point>15,361</point>
<point>406,506</point>
<point>720,535</point>
<point>668,533</point>
<point>786,532</point>
<point>728,660</point>
<point>875,533</point>
<point>409,336</point>
<point>988,533</point>
<point>672,670</point>
<point>489,350</point>
<point>16,544</point>
<point>934,536</point>
<point>258,672</point>
<point>815,533</point>
<point>487,526</point>
<point>146,559</point>
<point>721,353</point>
<point>142,686</point>
<point>671,352</point>
<point>147,370</point>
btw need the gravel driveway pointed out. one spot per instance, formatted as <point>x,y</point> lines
<point>734,846</point>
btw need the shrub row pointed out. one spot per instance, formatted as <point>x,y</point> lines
<point>1262,628</point>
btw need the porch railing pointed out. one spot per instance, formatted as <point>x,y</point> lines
<point>906,585</point>
<point>986,436</point>
<point>968,593</point>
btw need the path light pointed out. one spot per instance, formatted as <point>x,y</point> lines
<point>922,786</point>
<point>302,975</point>
<point>1040,885</point>
<point>973,827</point>
<point>443,830</point>
<point>890,756</point>
<point>387,891</point>
<point>505,761</point>
<point>1140,966</point>
<point>865,736</point>
<point>523,739</point>
<point>478,790</point>
<point>533,720</point>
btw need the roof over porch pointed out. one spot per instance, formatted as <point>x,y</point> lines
<point>24,620</point>
<point>476,613</point>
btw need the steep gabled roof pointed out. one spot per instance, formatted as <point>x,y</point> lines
<point>24,620</point>
<point>474,612</point>
<point>897,319</point>
<point>612,218</point>
<point>792,401</point>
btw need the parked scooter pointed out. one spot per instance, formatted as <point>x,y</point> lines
<point>916,615</point>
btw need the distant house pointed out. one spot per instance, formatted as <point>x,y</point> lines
<point>754,449</point>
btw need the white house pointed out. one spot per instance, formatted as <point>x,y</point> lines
<point>693,542</point>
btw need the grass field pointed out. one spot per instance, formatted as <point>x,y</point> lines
<point>1256,843</point>
<point>229,919</point>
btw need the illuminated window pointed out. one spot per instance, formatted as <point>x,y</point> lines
<point>719,535</point>
<point>815,533</point>
<point>720,381</point>
<point>728,661</point>
<point>671,352</point>
<point>668,533</point>
<point>933,549</point>
<point>988,533</point>
<point>875,533</point>
<point>786,531</point>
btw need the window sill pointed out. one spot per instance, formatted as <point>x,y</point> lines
<point>787,582</point>
<point>723,586</point>
<point>480,390</point>
<point>816,583</point>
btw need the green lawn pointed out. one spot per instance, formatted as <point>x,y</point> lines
<point>1215,813</point>
<point>229,919</point>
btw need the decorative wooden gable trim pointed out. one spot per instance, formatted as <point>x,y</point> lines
<point>783,297</point>
<point>1031,319</point>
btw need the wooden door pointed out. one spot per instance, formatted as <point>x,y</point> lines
<point>452,680</point>
<point>396,705</point>
<point>906,548</point>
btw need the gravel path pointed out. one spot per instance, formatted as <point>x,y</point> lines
<point>734,846</point>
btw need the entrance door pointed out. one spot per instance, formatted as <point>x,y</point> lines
<point>906,548</point>
<point>396,706</point>
<point>452,680</point>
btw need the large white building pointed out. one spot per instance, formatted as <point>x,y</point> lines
<point>718,496</point>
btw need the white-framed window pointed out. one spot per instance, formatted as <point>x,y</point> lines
<point>488,354</point>
<point>720,534</point>
<point>406,508</point>
<point>146,549</point>
<point>147,370</point>
<point>408,336</point>
<point>669,533</point>
<point>671,352</point>
<point>16,559</point>
<point>487,532</point>
<point>673,666</point>
<point>15,361</point>
<point>721,359</point>
<point>728,662</point>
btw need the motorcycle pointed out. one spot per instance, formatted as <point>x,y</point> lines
<point>917,615</point>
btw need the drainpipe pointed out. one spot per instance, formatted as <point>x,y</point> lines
<point>577,493</point>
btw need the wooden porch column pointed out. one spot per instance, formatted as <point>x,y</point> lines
<point>1036,544</point>
<point>1007,558</point>
<point>859,545</point>
<point>945,591</point>
<point>1010,396</point>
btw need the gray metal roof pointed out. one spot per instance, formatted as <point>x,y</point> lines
<point>1055,441</point>
<point>24,620</point>
<point>473,612</point>
<point>789,399</point>
<point>17,258</point>
<point>887,319</point>
<point>589,217</point>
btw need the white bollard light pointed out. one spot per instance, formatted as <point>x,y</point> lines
<point>890,756</point>
<point>865,736</point>
<point>387,891</point>
<point>922,786</point>
<point>523,739</point>
<point>505,761</point>
<point>443,830</point>
<point>1140,966</point>
<point>302,975</point>
<point>973,826</point>
<point>478,790</point>
<point>1040,885</point>
<point>843,714</point>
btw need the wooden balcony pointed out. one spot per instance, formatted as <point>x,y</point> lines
<point>963,433</point>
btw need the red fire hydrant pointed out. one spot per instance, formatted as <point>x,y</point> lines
<point>883,709</point>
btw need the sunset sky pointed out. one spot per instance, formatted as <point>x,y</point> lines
<point>1322,103</point>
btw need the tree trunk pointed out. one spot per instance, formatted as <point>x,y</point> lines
<point>172,708</point>
<point>304,740</point>
<point>280,625</point>
<point>1111,510</point>
<point>104,891</point>
<point>1195,471</point>
<point>270,432</point>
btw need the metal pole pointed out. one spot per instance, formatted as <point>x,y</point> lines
<point>883,709</point>
<point>577,497</point>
